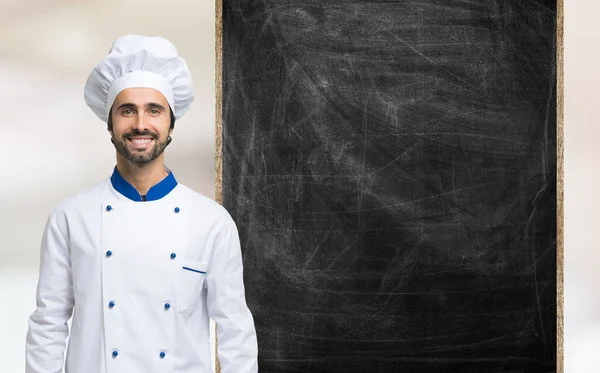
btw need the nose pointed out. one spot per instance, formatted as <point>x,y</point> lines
<point>140,123</point>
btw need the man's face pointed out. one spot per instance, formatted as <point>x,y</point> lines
<point>141,121</point>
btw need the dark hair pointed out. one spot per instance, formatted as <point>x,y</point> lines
<point>109,123</point>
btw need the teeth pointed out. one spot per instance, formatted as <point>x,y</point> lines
<point>141,141</point>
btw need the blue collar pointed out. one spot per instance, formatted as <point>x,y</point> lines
<point>158,191</point>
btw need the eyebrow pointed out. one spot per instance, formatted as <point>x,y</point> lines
<point>150,105</point>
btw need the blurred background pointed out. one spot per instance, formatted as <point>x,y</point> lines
<point>582,186</point>
<point>53,146</point>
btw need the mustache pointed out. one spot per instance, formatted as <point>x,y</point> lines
<point>140,133</point>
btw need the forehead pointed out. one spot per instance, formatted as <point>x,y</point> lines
<point>141,96</point>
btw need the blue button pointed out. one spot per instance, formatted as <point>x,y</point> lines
<point>173,255</point>
<point>167,306</point>
<point>111,304</point>
<point>162,354</point>
<point>115,353</point>
<point>108,253</point>
<point>176,209</point>
<point>108,208</point>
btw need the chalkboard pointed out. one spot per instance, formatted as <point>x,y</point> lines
<point>391,167</point>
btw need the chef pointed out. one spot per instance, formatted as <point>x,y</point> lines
<point>139,261</point>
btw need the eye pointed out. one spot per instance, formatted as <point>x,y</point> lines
<point>154,111</point>
<point>127,112</point>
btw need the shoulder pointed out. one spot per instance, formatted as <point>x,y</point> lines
<point>207,207</point>
<point>85,198</point>
<point>74,206</point>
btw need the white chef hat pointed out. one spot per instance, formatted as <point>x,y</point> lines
<point>140,61</point>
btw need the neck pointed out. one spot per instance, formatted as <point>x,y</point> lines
<point>142,177</point>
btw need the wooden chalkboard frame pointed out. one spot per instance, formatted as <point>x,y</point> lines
<point>559,162</point>
<point>218,123</point>
<point>559,187</point>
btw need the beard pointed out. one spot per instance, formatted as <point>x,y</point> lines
<point>141,156</point>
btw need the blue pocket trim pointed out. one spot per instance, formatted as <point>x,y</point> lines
<point>193,270</point>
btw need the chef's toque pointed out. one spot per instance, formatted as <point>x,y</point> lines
<point>142,62</point>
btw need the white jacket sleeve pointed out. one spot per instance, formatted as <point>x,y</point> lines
<point>237,348</point>
<point>48,330</point>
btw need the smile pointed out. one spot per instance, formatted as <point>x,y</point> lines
<point>140,141</point>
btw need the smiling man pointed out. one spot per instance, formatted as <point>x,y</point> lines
<point>139,261</point>
<point>134,141</point>
<point>140,146</point>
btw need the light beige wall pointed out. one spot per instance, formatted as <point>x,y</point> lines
<point>582,186</point>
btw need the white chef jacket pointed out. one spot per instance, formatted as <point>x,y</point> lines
<point>141,280</point>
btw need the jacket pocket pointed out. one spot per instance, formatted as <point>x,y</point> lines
<point>191,279</point>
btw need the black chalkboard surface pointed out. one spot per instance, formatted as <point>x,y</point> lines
<point>391,166</point>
